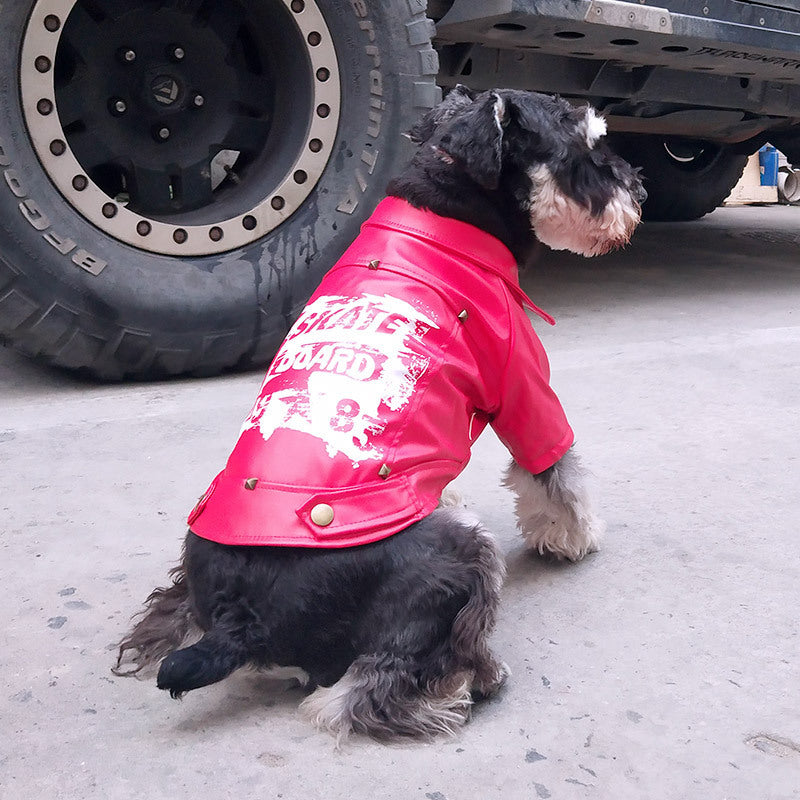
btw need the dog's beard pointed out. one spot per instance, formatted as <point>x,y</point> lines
<point>564,224</point>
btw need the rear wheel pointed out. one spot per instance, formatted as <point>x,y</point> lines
<point>179,175</point>
<point>684,178</point>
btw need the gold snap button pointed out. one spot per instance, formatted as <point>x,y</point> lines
<point>322,514</point>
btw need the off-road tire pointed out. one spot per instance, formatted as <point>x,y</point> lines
<point>681,190</point>
<point>80,298</point>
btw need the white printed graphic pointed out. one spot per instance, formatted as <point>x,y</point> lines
<point>346,363</point>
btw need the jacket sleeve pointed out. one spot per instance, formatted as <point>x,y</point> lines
<point>530,420</point>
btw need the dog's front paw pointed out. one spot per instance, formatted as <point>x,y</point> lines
<point>566,539</point>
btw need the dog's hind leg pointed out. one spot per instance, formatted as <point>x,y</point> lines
<point>553,509</point>
<point>426,658</point>
<point>165,625</point>
<point>208,661</point>
<point>380,696</point>
<point>469,643</point>
<point>233,640</point>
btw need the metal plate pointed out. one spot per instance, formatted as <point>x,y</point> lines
<point>629,15</point>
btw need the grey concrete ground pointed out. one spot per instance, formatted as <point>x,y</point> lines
<point>665,667</point>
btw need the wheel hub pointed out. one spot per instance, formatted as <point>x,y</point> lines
<point>165,90</point>
<point>157,120</point>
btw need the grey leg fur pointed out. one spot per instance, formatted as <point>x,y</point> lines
<point>553,509</point>
<point>382,694</point>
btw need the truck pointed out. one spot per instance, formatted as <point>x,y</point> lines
<point>177,175</point>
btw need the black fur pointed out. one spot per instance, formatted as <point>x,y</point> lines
<point>408,612</point>
<point>490,188</point>
<point>398,627</point>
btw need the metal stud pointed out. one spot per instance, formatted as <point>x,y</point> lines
<point>463,314</point>
<point>251,483</point>
<point>374,264</point>
<point>384,471</point>
<point>322,515</point>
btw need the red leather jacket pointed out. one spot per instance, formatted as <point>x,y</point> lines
<point>413,342</point>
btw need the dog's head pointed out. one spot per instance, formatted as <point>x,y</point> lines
<point>549,155</point>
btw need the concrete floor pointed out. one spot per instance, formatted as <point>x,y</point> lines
<point>665,667</point>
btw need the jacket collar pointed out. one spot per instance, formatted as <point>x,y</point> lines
<point>460,238</point>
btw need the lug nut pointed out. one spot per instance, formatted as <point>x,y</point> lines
<point>199,100</point>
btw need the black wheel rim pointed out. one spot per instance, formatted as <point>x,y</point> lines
<point>181,127</point>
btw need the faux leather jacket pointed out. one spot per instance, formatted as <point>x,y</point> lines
<point>414,341</point>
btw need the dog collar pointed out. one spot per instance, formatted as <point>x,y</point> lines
<point>469,242</point>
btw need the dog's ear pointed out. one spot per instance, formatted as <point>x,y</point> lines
<point>542,124</point>
<point>474,140</point>
<point>456,101</point>
<point>592,127</point>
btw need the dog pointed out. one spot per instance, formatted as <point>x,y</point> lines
<point>325,544</point>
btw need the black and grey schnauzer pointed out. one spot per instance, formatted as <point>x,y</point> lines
<point>392,635</point>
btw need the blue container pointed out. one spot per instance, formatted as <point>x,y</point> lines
<point>768,164</point>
